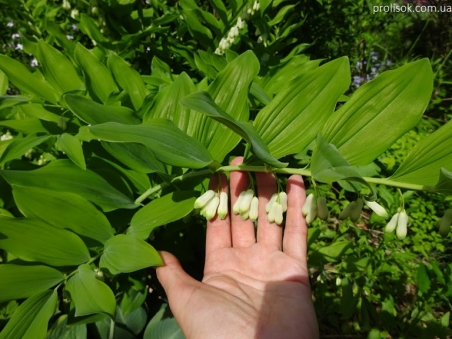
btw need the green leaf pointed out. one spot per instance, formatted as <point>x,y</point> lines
<point>63,210</point>
<point>24,80</point>
<point>98,76</point>
<point>32,126</point>
<point>129,79</point>
<point>230,92</point>
<point>34,240</point>
<point>94,113</point>
<point>57,69</point>
<point>64,176</point>
<point>422,164</point>
<point>89,294</point>
<point>163,326</point>
<point>423,280</point>
<point>135,156</point>
<point>299,111</point>
<point>37,111</point>
<point>73,149</point>
<point>31,318</point>
<point>20,282</point>
<point>334,251</point>
<point>162,211</point>
<point>380,112</point>
<point>3,83</point>
<point>281,14</point>
<point>127,253</point>
<point>19,147</point>
<point>89,26</point>
<point>169,144</point>
<point>202,102</point>
<point>328,165</point>
<point>444,184</point>
<point>61,330</point>
<point>167,104</point>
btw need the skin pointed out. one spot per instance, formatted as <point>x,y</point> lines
<point>254,285</point>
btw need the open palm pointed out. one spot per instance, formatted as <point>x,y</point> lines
<point>254,286</point>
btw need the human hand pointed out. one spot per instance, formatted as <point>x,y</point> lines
<point>254,286</point>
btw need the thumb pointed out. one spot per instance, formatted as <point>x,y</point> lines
<point>172,276</point>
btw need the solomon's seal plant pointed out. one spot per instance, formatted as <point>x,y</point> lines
<point>118,155</point>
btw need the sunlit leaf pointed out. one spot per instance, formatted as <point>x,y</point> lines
<point>380,112</point>
<point>73,149</point>
<point>299,111</point>
<point>424,161</point>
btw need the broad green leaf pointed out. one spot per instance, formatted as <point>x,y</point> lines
<point>230,92</point>
<point>34,240</point>
<point>19,147</point>
<point>98,76</point>
<point>128,79</point>
<point>162,211</point>
<point>169,144</point>
<point>423,280</point>
<point>57,69</point>
<point>167,104</point>
<point>94,113</point>
<point>63,210</point>
<point>299,111</point>
<point>89,294</point>
<point>380,112</point>
<point>37,111</point>
<point>444,184</point>
<point>135,156</point>
<point>64,176</point>
<point>54,29</point>
<point>3,83</point>
<point>5,213</point>
<point>328,165</point>
<point>202,102</point>
<point>89,26</point>
<point>334,251</point>
<point>422,164</point>
<point>32,126</point>
<point>135,320</point>
<point>163,326</point>
<point>20,282</point>
<point>61,330</point>
<point>127,253</point>
<point>72,147</point>
<point>31,318</point>
<point>24,80</point>
<point>12,100</point>
<point>281,14</point>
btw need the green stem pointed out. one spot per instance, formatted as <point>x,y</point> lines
<point>112,329</point>
<point>304,172</point>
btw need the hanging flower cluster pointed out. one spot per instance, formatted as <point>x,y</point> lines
<point>398,222</point>
<point>315,207</point>
<point>247,205</point>
<point>211,203</point>
<point>444,223</point>
<point>275,207</point>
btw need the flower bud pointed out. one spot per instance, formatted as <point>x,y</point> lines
<point>62,123</point>
<point>377,208</point>
<point>223,206</point>
<point>307,204</point>
<point>312,212</point>
<point>278,213</point>
<point>269,204</point>
<point>204,199</point>
<point>66,5</point>
<point>322,209</point>
<point>402,224</point>
<point>355,213</point>
<point>245,203</point>
<point>444,223</point>
<point>391,225</point>
<point>283,200</point>
<point>240,24</point>
<point>347,210</point>
<point>254,209</point>
<point>210,209</point>
<point>236,207</point>
<point>272,213</point>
